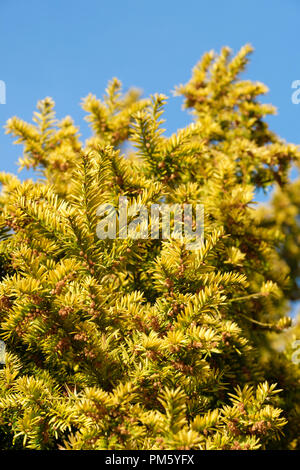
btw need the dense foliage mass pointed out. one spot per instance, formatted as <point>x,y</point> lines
<point>143,344</point>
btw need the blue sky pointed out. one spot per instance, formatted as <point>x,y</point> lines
<point>66,49</point>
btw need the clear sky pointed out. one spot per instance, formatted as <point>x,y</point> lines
<point>66,49</point>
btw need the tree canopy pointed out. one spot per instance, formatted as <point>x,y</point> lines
<point>144,344</point>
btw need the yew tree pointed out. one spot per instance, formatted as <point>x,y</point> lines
<point>143,343</point>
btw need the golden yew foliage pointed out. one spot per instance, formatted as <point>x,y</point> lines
<point>142,344</point>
